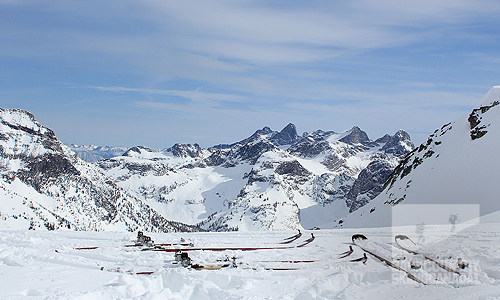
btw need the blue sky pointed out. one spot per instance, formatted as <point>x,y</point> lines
<point>155,73</point>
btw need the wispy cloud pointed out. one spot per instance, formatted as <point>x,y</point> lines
<point>196,95</point>
<point>259,62</point>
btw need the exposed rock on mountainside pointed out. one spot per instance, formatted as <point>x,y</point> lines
<point>368,184</point>
<point>287,136</point>
<point>183,150</point>
<point>475,118</point>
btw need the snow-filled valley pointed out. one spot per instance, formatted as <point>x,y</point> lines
<point>47,265</point>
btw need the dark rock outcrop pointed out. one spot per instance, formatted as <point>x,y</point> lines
<point>399,144</point>
<point>287,136</point>
<point>369,184</point>
<point>185,150</point>
<point>475,118</point>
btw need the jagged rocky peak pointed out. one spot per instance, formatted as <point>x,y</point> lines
<point>384,139</point>
<point>185,150</point>
<point>264,131</point>
<point>317,135</point>
<point>399,144</point>
<point>356,136</point>
<point>287,136</point>
<point>256,135</point>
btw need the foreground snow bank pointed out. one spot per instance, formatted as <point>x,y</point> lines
<point>46,265</point>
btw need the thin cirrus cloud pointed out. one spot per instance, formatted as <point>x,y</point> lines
<point>311,26</point>
<point>315,63</point>
<point>193,95</point>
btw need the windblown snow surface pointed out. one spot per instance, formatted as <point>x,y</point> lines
<point>46,265</point>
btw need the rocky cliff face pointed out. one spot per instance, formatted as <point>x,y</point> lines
<point>369,184</point>
<point>45,185</point>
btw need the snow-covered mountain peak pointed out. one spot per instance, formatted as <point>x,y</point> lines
<point>355,136</point>
<point>398,144</point>
<point>318,135</point>
<point>286,136</point>
<point>140,151</point>
<point>92,153</point>
<point>492,96</point>
<point>21,119</point>
<point>264,131</point>
<point>22,137</point>
<point>43,184</point>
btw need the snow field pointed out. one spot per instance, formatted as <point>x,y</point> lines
<point>30,267</point>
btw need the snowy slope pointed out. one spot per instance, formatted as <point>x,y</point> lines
<point>45,185</point>
<point>271,180</point>
<point>457,168</point>
<point>30,267</point>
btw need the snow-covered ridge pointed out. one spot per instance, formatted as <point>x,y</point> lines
<point>18,118</point>
<point>457,166</point>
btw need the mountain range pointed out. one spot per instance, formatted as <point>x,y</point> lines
<point>272,180</point>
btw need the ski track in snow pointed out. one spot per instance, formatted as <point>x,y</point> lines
<point>30,267</point>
